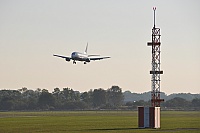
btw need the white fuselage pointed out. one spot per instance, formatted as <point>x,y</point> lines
<point>80,57</point>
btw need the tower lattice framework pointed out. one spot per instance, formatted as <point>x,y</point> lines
<point>155,79</point>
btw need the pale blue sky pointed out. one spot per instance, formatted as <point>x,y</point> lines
<point>31,31</point>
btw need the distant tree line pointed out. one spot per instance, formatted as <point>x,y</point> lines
<point>176,103</point>
<point>180,101</point>
<point>68,99</point>
<point>129,96</point>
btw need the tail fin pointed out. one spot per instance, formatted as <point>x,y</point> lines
<point>86,49</point>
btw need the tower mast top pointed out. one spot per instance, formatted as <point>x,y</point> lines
<point>154,9</point>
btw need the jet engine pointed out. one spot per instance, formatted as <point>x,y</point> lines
<point>87,60</point>
<point>67,59</point>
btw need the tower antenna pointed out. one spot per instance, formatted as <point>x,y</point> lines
<point>154,10</point>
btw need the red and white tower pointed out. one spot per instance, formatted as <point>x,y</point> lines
<point>155,79</point>
<point>149,117</point>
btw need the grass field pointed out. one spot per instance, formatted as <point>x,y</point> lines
<point>94,121</point>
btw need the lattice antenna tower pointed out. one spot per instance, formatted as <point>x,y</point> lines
<point>155,79</point>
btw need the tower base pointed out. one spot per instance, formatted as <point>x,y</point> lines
<point>148,117</point>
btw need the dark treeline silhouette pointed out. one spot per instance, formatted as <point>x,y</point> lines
<point>68,99</point>
<point>129,96</point>
<point>179,101</point>
<point>176,103</point>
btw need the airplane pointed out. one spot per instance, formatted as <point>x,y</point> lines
<point>77,56</point>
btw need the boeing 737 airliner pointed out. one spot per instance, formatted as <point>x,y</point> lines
<point>77,56</point>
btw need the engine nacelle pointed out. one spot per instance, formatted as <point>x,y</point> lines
<point>67,59</point>
<point>87,60</point>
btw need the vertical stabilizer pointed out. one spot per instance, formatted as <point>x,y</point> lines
<point>86,49</point>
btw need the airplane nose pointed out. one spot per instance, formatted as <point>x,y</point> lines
<point>73,55</point>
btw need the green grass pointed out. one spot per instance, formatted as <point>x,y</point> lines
<point>94,121</point>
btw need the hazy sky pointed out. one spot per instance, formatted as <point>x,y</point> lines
<point>31,31</point>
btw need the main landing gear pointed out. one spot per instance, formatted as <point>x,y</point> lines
<point>74,62</point>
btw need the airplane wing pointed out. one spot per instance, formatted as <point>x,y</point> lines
<point>93,55</point>
<point>68,58</point>
<point>99,58</point>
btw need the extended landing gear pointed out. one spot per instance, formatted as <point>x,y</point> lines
<point>74,62</point>
<point>84,62</point>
